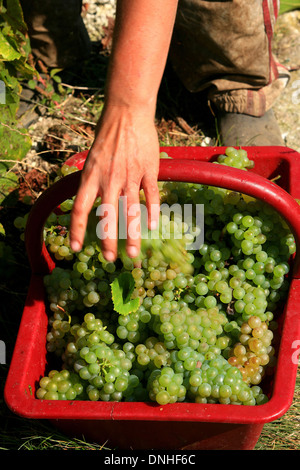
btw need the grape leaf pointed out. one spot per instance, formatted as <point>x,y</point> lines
<point>121,289</point>
<point>8,48</point>
<point>14,16</point>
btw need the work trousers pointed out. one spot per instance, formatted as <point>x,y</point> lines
<point>223,47</point>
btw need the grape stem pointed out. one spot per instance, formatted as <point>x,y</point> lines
<point>65,312</point>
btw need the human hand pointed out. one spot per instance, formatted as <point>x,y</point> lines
<point>123,159</point>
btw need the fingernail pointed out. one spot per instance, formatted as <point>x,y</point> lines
<point>75,246</point>
<point>109,256</point>
<point>132,251</point>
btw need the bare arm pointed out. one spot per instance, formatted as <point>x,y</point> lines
<point>125,151</point>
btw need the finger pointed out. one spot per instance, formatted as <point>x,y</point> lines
<point>150,187</point>
<point>133,219</point>
<point>107,228</point>
<point>82,206</point>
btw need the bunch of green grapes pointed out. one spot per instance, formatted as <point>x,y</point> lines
<point>204,328</point>
<point>217,381</point>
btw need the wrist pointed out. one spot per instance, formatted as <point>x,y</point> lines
<point>135,108</point>
<point>127,95</point>
<point>120,117</point>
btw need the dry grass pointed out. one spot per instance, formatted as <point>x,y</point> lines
<point>284,433</point>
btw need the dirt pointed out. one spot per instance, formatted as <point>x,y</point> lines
<point>31,184</point>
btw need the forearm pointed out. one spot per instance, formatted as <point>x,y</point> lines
<point>142,36</point>
<point>125,153</point>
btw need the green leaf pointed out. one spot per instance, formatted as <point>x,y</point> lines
<point>2,229</point>
<point>56,97</point>
<point>15,142</point>
<point>288,5</point>
<point>24,70</point>
<point>54,72</point>
<point>9,182</point>
<point>14,16</point>
<point>10,81</point>
<point>12,101</point>
<point>32,84</point>
<point>8,51</point>
<point>57,79</point>
<point>122,288</point>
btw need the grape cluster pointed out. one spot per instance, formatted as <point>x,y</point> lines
<point>166,386</point>
<point>205,326</point>
<point>217,381</point>
<point>237,158</point>
<point>56,234</point>
<point>254,350</point>
<point>60,385</point>
<point>86,285</point>
<point>65,170</point>
<point>89,351</point>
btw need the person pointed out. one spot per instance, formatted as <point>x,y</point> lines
<point>222,47</point>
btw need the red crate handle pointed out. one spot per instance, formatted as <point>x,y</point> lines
<point>191,171</point>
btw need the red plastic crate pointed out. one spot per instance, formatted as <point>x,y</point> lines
<point>179,426</point>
